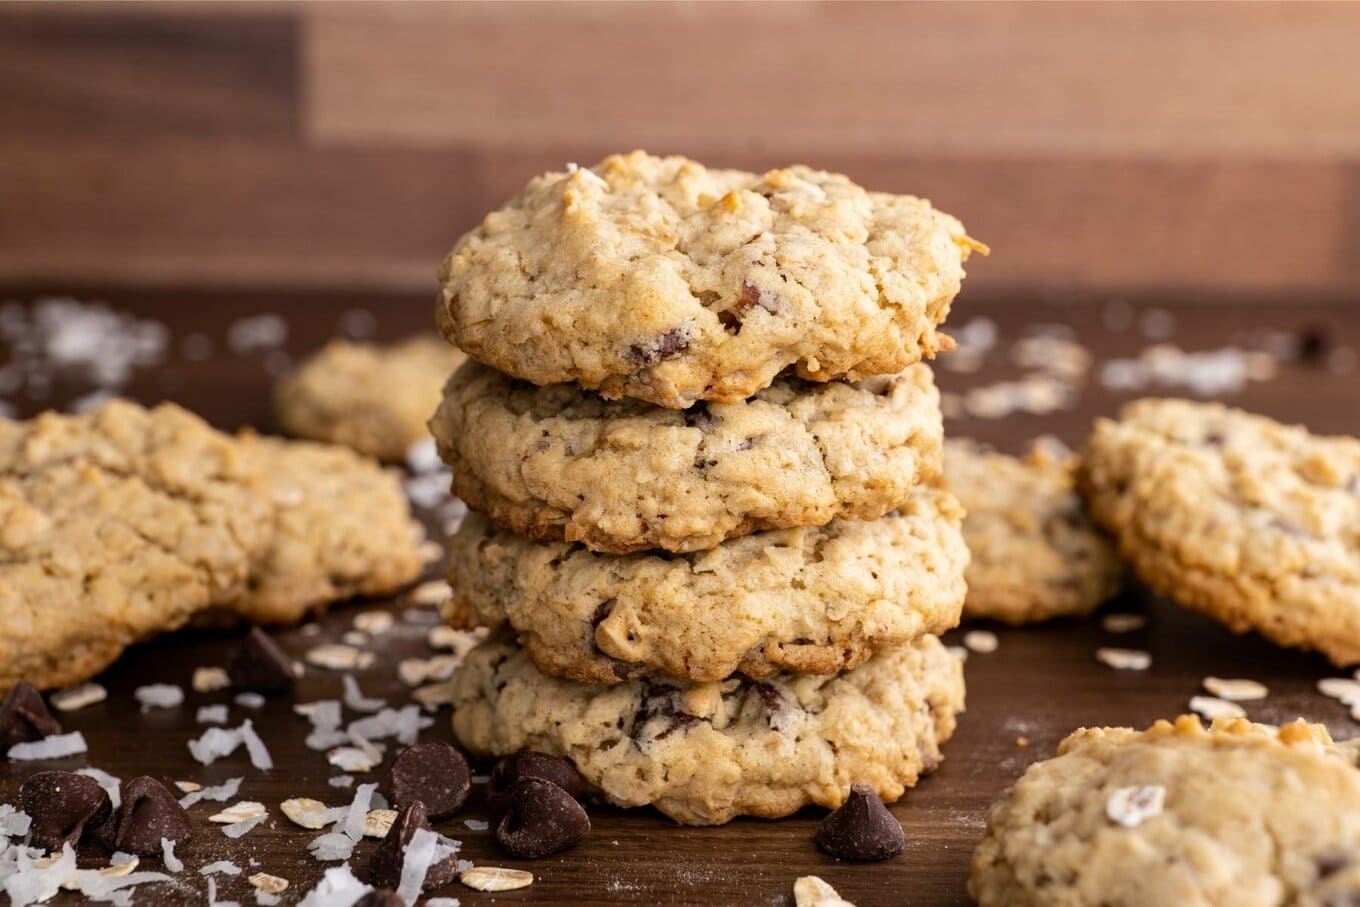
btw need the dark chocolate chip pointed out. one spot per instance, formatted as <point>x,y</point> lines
<point>24,716</point>
<point>666,345</point>
<point>752,298</point>
<point>381,897</point>
<point>518,767</point>
<point>148,814</point>
<point>384,869</point>
<point>862,829</point>
<point>541,818</point>
<point>434,774</point>
<point>770,697</point>
<point>698,416</point>
<point>1329,864</point>
<point>261,665</point>
<point>62,805</point>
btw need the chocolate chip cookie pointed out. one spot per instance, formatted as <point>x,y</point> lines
<point>342,528</point>
<point>373,398</point>
<point>659,279</point>
<point>1239,814</point>
<point>1254,523</point>
<point>1036,553</point>
<point>814,600</point>
<point>115,526</point>
<point>558,463</point>
<point>703,753</point>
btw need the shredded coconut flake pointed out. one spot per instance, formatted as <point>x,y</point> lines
<point>211,714</point>
<point>1212,707</point>
<point>56,746</point>
<point>355,698</point>
<point>159,696</point>
<point>112,786</point>
<point>337,886</point>
<point>1236,690</point>
<point>13,823</point>
<point>225,867</point>
<point>172,862</point>
<point>249,700</point>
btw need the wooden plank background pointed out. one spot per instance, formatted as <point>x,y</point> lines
<point>1116,147</point>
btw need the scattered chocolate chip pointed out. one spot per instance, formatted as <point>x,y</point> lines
<point>381,897</point>
<point>148,814</point>
<point>862,829</point>
<point>518,767</point>
<point>261,665</point>
<point>753,298</point>
<point>384,869</point>
<point>433,774</point>
<point>540,819</point>
<point>1330,864</point>
<point>24,716</point>
<point>62,805</point>
<point>669,344</point>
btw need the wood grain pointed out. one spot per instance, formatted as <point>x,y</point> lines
<point>1040,684</point>
<point>1119,147</point>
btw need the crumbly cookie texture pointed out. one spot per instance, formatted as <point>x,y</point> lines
<point>704,753</point>
<point>114,526</point>
<point>342,528</point>
<point>371,397</point>
<point>1254,523</point>
<point>1236,815</point>
<point>558,462</point>
<point>657,278</point>
<point>814,600</point>
<point>1036,553</point>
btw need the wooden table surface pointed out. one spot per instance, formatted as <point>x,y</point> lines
<point>1039,685</point>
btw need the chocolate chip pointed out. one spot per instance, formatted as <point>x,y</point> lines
<point>753,298</point>
<point>384,869</point>
<point>148,814</point>
<point>1330,864</point>
<point>770,697</point>
<point>433,774</point>
<point>698,416</point>
<point>381,897</point>
<point>862,829</point>
<point>666,345</point>
<point>24,716</point>
<point>518,767</point>
<point>261,665</point>
<point>541,819</point>
<point>62,805</point>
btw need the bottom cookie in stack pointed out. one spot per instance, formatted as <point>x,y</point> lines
<point>704,753</point>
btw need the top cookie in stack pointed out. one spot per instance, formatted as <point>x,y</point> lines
<point>703,444</point>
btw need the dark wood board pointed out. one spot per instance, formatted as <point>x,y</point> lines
<point>1039,685</point>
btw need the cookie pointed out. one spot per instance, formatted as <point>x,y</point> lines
<point>703,753</point>
<point>557,462</point>
<point>1036,553</point>
<point>373,398</point>
<point>1254,523</point>
<point>659,279</point>
<point>1236,815</point>
<point>114,526</point>
<point>342,528</point>
<point>814,600</point>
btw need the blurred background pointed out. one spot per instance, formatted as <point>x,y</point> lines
<point>1206,148</point>
<point>1171,190</point>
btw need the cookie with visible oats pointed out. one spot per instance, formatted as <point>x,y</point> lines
<point>114,526</point>
<point>342,528</point>
<point>1239,814</point>
<point>1036,554</point>
<point>1254,523</point>
<point>704,753</point>
<point>814,600</point>
<point>374,398</point>
<point>557,462</point>
<point>659,279</point>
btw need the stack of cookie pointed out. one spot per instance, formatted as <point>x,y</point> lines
<point>705,458</point>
